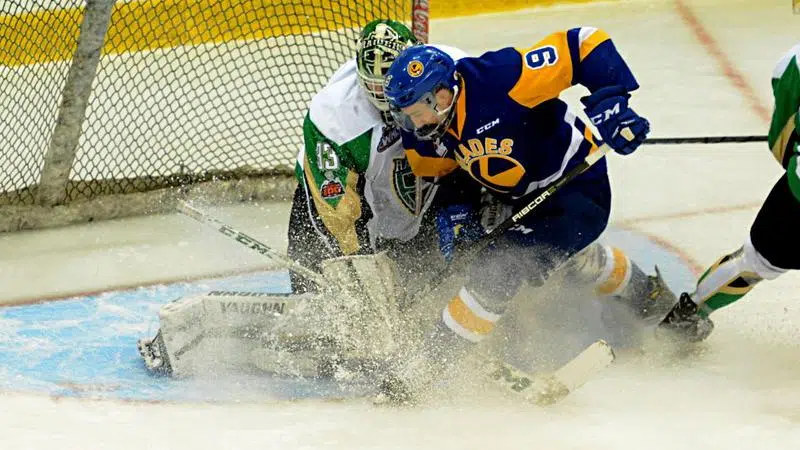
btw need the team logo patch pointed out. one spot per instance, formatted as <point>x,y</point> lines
<point>415,68</point>
<point>331,189</point>
<point>488,161</point>
<point>389,136</point>
<point>405,184</point>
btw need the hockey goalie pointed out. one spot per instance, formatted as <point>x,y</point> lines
<point>357,210</point>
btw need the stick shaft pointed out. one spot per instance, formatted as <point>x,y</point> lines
<point>706,140</point>
<point>250,242</point>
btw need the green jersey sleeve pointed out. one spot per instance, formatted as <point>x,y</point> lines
<point>327,161</point>
<point>786,91</point>
<point>331,172</point>
<point>785,123</point>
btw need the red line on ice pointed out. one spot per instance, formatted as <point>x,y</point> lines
<point>728,68</point>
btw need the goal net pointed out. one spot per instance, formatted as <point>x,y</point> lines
<point>112,108</point>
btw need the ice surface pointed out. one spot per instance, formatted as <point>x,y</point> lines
<point>741,391</point>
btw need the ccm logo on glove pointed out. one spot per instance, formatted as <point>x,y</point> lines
<point>605,115</point>
<point>619,125</point>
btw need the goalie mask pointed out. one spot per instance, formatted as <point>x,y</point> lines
<point>379,44</point>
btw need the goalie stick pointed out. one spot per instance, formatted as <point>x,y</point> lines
<point>541,389</point>
<point>250,242</point>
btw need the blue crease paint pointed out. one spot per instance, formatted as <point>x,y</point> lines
<point>86,346</point>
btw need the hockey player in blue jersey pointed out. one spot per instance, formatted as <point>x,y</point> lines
<point>498,117</point>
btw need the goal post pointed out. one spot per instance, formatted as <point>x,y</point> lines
<point>118,108</point>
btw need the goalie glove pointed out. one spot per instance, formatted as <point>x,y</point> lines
<point>493,212</point>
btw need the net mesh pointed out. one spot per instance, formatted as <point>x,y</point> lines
<point>30,88</point>
<point>186,91</point>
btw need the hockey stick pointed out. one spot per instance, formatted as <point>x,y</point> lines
<point>250,242</point>
<point>546,389</point>
<point>706,140</point>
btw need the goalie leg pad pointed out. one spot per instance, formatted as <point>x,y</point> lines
<point>365,308</point>
<point>154,355</point>
<point>187,324</point>
<point>354,321</point>
<point>355,318</point>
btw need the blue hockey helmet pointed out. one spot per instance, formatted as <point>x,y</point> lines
<point>415,76</point>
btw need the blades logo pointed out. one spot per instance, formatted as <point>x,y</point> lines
<point>331,189</point>
<point>415,69</point>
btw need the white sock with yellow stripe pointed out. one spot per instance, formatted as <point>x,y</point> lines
<point>607,268</point>
<point>467,318</point>
<point>614,275</point>
<point>616,272</point>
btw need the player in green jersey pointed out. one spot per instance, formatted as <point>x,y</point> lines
<point>769,250</point>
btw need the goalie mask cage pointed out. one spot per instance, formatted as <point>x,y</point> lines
<point>116,108</point>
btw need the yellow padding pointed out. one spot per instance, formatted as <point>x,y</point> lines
<point>618,273</point>
<point>464,316</point>
<point>429,166</point>
<point>38,37</point>
<point>51,35</point>
<point>454,8</point>
<point>591,42</point>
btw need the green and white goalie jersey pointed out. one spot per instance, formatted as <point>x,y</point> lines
<point>351,152</point>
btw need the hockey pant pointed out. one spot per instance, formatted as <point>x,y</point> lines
<point>560,235</point>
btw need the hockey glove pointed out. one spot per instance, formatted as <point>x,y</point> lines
<point>493,212</point>
<point>619,126</point>
<point>457,224</point>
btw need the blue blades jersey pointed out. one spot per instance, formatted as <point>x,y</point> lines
<point>511,132</point>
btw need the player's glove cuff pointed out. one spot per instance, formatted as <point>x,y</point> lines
<point>456,223</point>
